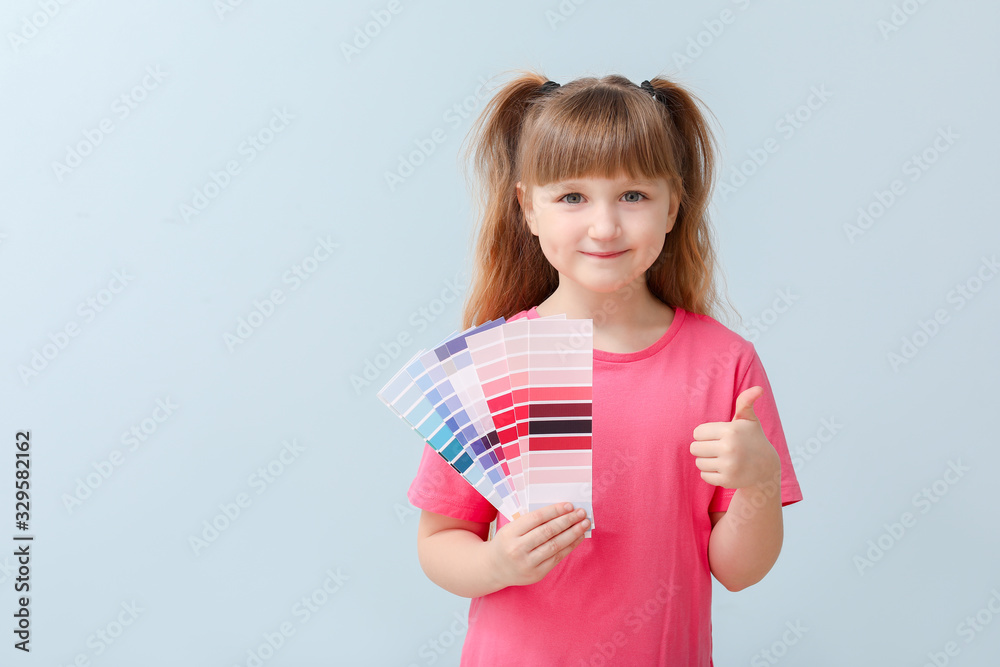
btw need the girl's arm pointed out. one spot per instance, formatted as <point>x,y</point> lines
<point>456,555</point>
<point>452,554</point>
<point>746,540</point>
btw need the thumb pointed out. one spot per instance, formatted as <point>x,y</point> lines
<point>745,401</point>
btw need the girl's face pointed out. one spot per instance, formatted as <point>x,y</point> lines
<point>601,233</point>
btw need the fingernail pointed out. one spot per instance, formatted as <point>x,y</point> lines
<point>568,507</point>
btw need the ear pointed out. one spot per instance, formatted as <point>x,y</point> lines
<point>525,203</point>
<point>675,205</point>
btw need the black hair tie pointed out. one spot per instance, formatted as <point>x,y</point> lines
<point>648,87</point>
<point>548,87</point>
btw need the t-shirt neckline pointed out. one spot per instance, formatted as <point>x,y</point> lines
<point>624,357</point>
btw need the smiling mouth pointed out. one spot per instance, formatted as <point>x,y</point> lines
<point>605,255</point>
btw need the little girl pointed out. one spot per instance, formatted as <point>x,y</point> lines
<point>595,197</point>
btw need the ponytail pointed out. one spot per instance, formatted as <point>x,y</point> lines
<point>684,272</point>
<point>510,273</point>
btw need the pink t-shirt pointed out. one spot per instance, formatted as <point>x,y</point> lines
<point>639,591</point>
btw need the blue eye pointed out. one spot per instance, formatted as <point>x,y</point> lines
<point>630,192</point>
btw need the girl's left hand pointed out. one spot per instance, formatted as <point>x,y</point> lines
<point>736,454</point>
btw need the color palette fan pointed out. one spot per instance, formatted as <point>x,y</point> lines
<point>509,406</point>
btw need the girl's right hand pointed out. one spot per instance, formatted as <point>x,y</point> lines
<point>524,550</point>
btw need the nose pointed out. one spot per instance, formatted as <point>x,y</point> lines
<point>605,225</point>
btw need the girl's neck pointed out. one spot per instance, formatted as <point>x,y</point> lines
<point>630,309</point>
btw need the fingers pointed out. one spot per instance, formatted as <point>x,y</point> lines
<point>552,529</point>
<point>704,448</point>
<point>528,547</point>
<point>532,520</point>
<point>546,565</point>
<point>707,464</point>
<point>563,532</point>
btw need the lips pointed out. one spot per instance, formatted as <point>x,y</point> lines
<point>604,255</point>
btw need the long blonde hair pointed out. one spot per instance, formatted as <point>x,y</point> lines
<point>601,127</point>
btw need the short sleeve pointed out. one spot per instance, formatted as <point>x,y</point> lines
<point>439,488</point>
<point>767,412</point>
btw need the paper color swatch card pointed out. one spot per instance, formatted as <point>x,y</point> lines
<point>560,382</point>
<point>508,406</point>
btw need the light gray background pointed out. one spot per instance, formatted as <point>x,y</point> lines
<point>340,504</point>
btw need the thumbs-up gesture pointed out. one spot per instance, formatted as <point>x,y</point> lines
<point>736,454</point>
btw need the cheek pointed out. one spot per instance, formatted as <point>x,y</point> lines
<point>552,244</point>
<point>651,247</point>
<point>551,250</point>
